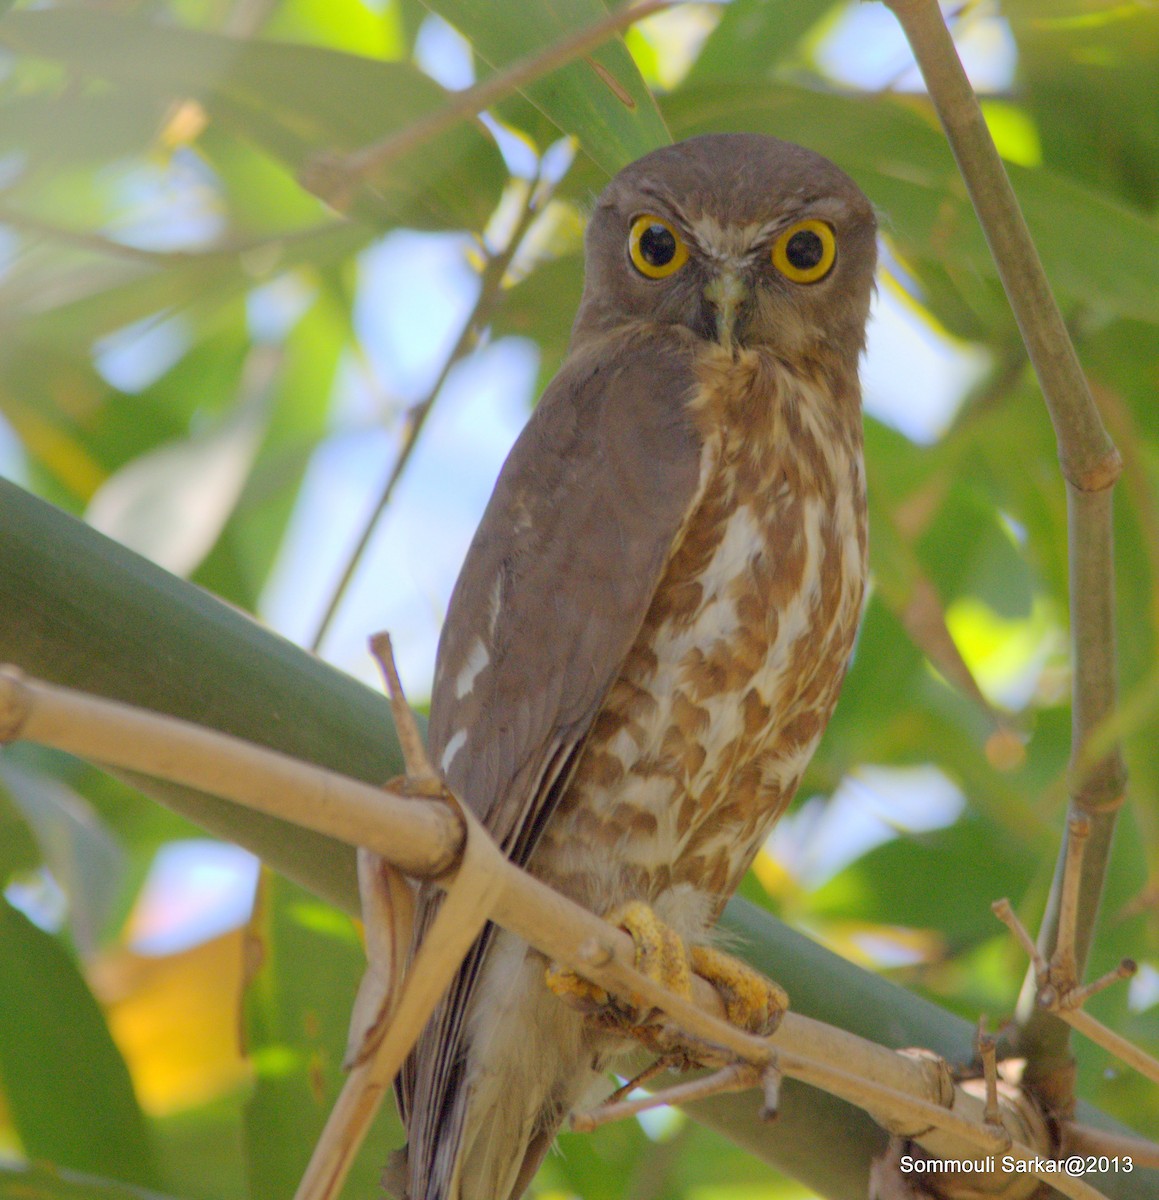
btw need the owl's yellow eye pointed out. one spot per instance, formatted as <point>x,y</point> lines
<point>805,252</point>
<point>655,247</point>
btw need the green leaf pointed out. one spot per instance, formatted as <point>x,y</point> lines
<point>85,860</point>
<point>292,100</point>
<point>58,131</point>
<point>297,1011</point>
<point>753,37</point>
<point>601,100</point>
<point>199,285</point>
<point>904,882</point>
<point>66,1084</point>
<point>36,1182</point>
<point>1106,137</point>
<point>172,503</point>
<point>240,563</point>
<point>540,307</point>
<point>967,552</point>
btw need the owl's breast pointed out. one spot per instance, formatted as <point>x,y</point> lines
<point>718,707</point>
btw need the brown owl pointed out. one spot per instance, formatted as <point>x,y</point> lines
<point>654,618</point>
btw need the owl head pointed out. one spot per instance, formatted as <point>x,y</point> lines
<point>744,239</point>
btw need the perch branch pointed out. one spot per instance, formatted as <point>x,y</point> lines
<point>1090,465</point>
<point>911,1094</point>
<point>334,178</point>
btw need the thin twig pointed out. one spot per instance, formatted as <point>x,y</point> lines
<point>1065,1003</point>
<point>410,740</point>
<point>334,178</point>
<point>639,1079</point>
<point>1008,917</point>
<point>1083,1139</point>
<point>988,1053</point>
<point>494,272</point>
<point>1113,1042</point>
<point>1078,996</point>
<point>97,243</point>
<point>1089,458</point>
<point>1062,962</point>
<point>737,1077</point>
<point>771,1080</point>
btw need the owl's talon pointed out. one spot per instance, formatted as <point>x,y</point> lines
<point>660,950</point>
<point>575,990</point>
<point>751,1002</point>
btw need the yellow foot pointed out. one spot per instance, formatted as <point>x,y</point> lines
<point>751,1001</point>
<point>660,954</point>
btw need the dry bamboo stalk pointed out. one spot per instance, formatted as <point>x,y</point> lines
<point>1082,1139</point>
<point>1090,465</point>
<point>420,839</point>
<point>910,1094</point>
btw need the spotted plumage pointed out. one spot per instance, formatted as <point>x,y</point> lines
<point>654,618</point>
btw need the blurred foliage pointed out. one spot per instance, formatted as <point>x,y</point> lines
<point>149,161</point>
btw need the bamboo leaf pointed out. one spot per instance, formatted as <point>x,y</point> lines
<point>601,101</point>
<point>51,1183</point>
<point>52,1030</point>
<point>292,100</point>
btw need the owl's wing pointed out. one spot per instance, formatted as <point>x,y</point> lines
<point>560,575</point>
<point>586,514</point>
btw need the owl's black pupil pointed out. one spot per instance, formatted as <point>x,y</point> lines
<point>804,250</point>
<point>657,246</point>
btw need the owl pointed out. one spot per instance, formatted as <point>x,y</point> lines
<point>655,616</point>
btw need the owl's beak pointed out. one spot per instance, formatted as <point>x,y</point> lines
<point>726,293</point>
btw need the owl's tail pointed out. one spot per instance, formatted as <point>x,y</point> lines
<point>487,1100</point>
<point>483,1153</point>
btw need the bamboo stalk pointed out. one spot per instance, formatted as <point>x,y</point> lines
<point>420,839</point>
<point>1090,465</point>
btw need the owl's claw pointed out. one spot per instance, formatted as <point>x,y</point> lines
<point>660,954</point>
<point>751,1001</point>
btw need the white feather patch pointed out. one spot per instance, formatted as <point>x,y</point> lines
<point>477,659</point>
<point>451,749</point>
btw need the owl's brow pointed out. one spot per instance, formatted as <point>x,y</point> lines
<point>729,242</point>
